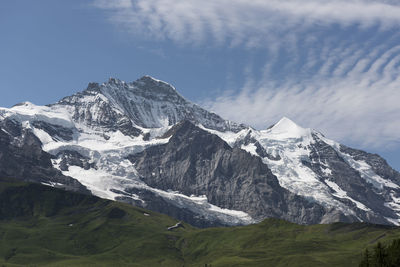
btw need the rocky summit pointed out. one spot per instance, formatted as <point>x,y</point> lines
<point>143,143</point>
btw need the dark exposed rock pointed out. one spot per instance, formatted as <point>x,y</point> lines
<point>57,132</point>
<point>146,137</point>
<point>199,163</point>
<point>32,199</point>
<point>152,201</point>
<point>22,157</point>
<point>93,87</point>
<point>378,164</point>
<point>324,157</point>
<point>260,150</point>
<point>73,158</point>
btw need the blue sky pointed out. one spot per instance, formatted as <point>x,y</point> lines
<point>329,65</point>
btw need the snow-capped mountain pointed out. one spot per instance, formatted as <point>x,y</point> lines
<point>144,144</point>
<point>128,107</point>
<point>354,182</point>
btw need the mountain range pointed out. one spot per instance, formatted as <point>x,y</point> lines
<point>143,143</point>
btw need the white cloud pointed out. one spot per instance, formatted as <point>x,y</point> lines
<point>241,21</point>
<point>113,4</point>
<point>354,102</point>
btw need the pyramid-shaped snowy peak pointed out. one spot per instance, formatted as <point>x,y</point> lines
<point>286,128</point>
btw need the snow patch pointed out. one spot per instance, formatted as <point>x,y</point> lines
<point>30,112</point>
<point>393,221</point>
<point>228,136</point>
<point>251,148</point>
<point>340,193</point>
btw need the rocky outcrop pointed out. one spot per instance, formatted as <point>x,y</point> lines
<point>152,201</point>
<point>73,158</point>
<point>199,163</point>
<point>93,109</point>
<point>378,164</point>
<point>324,157</point>
<point>22,157</point>
<point>57,132</point>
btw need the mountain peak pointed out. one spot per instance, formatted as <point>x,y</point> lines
<point>113,80</point>
<point>286,128</point>
<point>93,86</point>
<point>149,83</point>
<point>286,122</point>
<point>146,102</point>
<point>150,79</point>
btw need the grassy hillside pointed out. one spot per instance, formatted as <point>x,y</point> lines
<point>42,226</point>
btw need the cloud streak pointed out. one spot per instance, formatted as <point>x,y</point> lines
<point>355,101</point>
<point>241,21</point>
<point>342,67</point>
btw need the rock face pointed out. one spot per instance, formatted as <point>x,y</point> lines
<point>22,157</point>
<point>196,162</point>
<point>152,201</point>
<point>378,164</point>
<point>143,143</point>
<point>73,158</point>
<point>93,109</point>
<point>310,165</point>
<point>349,180</point>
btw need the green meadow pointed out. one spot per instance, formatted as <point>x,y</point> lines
<point>43,226</point>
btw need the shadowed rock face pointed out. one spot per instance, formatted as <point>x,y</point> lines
<point>154,202</point>
<point>22,157</point>
<point>27,200</point>
<point>73,158</point>
<point>55,131</point>
<point>197,162</point>
<point>349,180</point>
<point>378,164</point>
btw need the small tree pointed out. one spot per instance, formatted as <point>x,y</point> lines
<point>393,253</point>
<point>365,262</point>
<point>380,255</point>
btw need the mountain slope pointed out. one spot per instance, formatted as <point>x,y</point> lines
<point>310,165</point>
<point>40,225</point>
<point>294,173</point>
<point>145,103</point>
<point>21,156</point>
<point>43,226</point>
<point>195,162</point>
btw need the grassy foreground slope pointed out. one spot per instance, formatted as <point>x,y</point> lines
<point>43,226</point>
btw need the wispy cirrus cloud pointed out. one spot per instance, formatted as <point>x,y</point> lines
<point>355,100</point>
<point>330,65</point>
<point>241,21</point>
